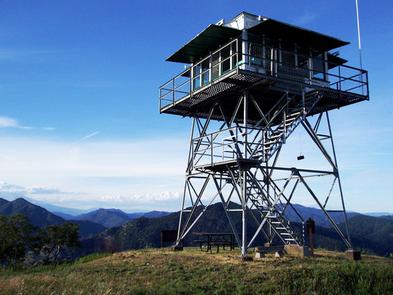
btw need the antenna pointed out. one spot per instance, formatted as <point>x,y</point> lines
<point>359,39</point>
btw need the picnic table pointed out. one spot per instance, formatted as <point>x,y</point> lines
<point>217,240</point>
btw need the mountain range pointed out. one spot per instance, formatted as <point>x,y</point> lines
<point>114,230</point>
<point>41,217</point>
<point>369,234</point>
<point>89,223</point>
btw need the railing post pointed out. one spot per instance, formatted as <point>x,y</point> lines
<point>210,68</point>
<point>160,98</point>
<point>191,79</point>
<point>368,91</point>
<point>339,78</point>
<point>239,56</point>
<point>173,91</point>
<point>211,148</point>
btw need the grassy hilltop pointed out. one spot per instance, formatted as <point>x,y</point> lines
<point>155,271</point>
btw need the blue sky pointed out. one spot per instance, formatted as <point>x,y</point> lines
<point>79,120</point>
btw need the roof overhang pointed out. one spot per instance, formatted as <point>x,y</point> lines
<point>297,35</point>
<point>200,46</point>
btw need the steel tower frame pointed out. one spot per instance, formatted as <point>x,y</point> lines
<point>238,160</point>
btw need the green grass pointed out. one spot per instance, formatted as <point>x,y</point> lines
<point>192,272</point>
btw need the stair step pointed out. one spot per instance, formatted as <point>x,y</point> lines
<point>293,114</point>
<point>269,143</point>
<point>276,136</point>
<point>272,216</point>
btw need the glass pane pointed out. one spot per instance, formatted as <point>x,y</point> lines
<point>303,65</point>
<point>196,82</point>
<point>205,72</point>
<point>288,58</point>
<point>225,60</point>
<point>256,54</point>
<point>215,66</point>
<point>318,67</point>
<point>234,55</point>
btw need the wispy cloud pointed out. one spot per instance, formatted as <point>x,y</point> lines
<point>50,191</point>
<point>7,122</point>
<point>90,135</point>
<point>48,128</point>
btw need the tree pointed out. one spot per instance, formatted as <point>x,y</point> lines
<point>16,236</point>
<point>55,237</point>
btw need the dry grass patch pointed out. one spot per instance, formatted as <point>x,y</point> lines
<point>156,271</point>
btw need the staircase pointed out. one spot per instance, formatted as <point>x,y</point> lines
<point>270,205</point>
<point>269,209</point>
<point>291,118</point>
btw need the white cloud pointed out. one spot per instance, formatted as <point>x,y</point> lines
<point>48,128</point>
<point>48,191</point>
<point>7,122</point>
<point>149,173</point>
<point>143,173</point>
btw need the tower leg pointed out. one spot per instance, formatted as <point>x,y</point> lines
<point>244,216</point>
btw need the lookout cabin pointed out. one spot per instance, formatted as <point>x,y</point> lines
<point>265,56</point>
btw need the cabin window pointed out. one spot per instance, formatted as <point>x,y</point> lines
<point>303,61</point>
<point>205,72</point>
<point>225,59</point>
<point>318,67</point>
<point>256,54</point>
<point>234,54</point>
<point>288,58</point>
<point>196,81</point>
<point>215,66</point>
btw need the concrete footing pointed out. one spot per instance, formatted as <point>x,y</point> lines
<point>258,253</point>
<point>278,254</point>
<point>298,251</point>
<point>353,255</point>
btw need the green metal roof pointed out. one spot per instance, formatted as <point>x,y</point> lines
<point>200,46</point>
<point>301,36</point>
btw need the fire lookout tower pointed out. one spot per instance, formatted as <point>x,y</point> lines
<point>248,84</point>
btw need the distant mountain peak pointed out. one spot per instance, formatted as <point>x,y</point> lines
<point>3,201</point>
<point>106,217</point>
<point>37,215</point>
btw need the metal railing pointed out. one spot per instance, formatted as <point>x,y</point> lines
<point>217,65</point>
<point>267,62</point>
<point>227,144</point>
